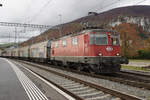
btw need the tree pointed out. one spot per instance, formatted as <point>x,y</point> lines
<point>131,41</point>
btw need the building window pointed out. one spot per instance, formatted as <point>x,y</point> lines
<point>74,41</point>
<point>64,43</point>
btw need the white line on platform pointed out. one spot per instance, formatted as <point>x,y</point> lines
<point>33,92</point>
<point>51,85</point>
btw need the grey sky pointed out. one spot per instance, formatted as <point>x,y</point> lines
<point>47,11</point>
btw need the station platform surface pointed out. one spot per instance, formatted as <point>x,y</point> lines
<point>10,87</point>
<point>14,85</point>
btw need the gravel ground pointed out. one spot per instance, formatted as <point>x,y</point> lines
<point>145,94</point>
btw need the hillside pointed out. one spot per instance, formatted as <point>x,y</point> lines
<point>6,45</point>
<point>135,19</point>
<point>114,14</point>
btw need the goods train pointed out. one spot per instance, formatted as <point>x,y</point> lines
<point>93,50</point>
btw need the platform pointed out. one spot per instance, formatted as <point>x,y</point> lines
<point>14,85</point>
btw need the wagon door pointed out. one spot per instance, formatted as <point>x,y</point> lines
<point>28,52</point>
<point>86,45</point>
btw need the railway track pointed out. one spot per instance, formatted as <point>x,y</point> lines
<point>123,77</point>
<point>127,78</point>
<point>136,73</point>
<point>79,89</point>
<point>135,80</point>
<point>140,79</point>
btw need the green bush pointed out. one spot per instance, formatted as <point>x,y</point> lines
<point>144,54</point>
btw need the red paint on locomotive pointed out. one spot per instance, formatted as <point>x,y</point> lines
<point>82,47</point>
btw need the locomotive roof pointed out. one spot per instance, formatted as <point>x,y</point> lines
<point>86,31</point>
<point>100,30</point>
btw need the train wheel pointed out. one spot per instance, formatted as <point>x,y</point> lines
<point>79,67</point>
<point>91,69</point>
<point>55,63</point>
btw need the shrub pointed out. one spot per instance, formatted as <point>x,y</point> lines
<point>144,54</point>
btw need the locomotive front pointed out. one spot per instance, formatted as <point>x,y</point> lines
<point>104,51</point>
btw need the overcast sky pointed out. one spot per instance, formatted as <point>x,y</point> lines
<point>47,12</point>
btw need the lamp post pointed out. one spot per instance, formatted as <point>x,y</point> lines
<point>60,31</point>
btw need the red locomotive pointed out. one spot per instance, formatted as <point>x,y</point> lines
<point>94,50</point>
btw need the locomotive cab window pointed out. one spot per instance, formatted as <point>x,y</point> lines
<point>92,39</point>
<point>56,44</point>
<point>98,39</point>
<point>115,40</point>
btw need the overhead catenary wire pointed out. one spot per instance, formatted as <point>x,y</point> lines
<point>28,20</point>
<point>117,1</point>
<point>140,2</point>
<point>36,15</point>
<point>111,4</point>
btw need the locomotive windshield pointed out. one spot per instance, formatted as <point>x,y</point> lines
<point>98,39</point>
<point>115,40</point>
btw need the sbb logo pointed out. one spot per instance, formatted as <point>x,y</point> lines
<point>109,48</point>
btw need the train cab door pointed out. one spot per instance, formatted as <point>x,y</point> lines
<point>86,43</point>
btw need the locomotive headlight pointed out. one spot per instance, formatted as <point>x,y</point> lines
<point>100,54</point>
<point>118,54</point>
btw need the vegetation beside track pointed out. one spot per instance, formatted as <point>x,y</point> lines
<point>145,69</point>
<point>139,60</point>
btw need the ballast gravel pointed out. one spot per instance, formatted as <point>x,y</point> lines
<point>141,93</point>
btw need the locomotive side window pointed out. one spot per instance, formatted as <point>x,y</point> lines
<point>64,43</point>
<point>92,39</point>
<point>56,44</point>
<point>114,40</point>
<point>98,39</point>
<point>74,41</point>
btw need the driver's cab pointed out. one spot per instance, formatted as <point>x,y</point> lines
<point>105,42</point>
